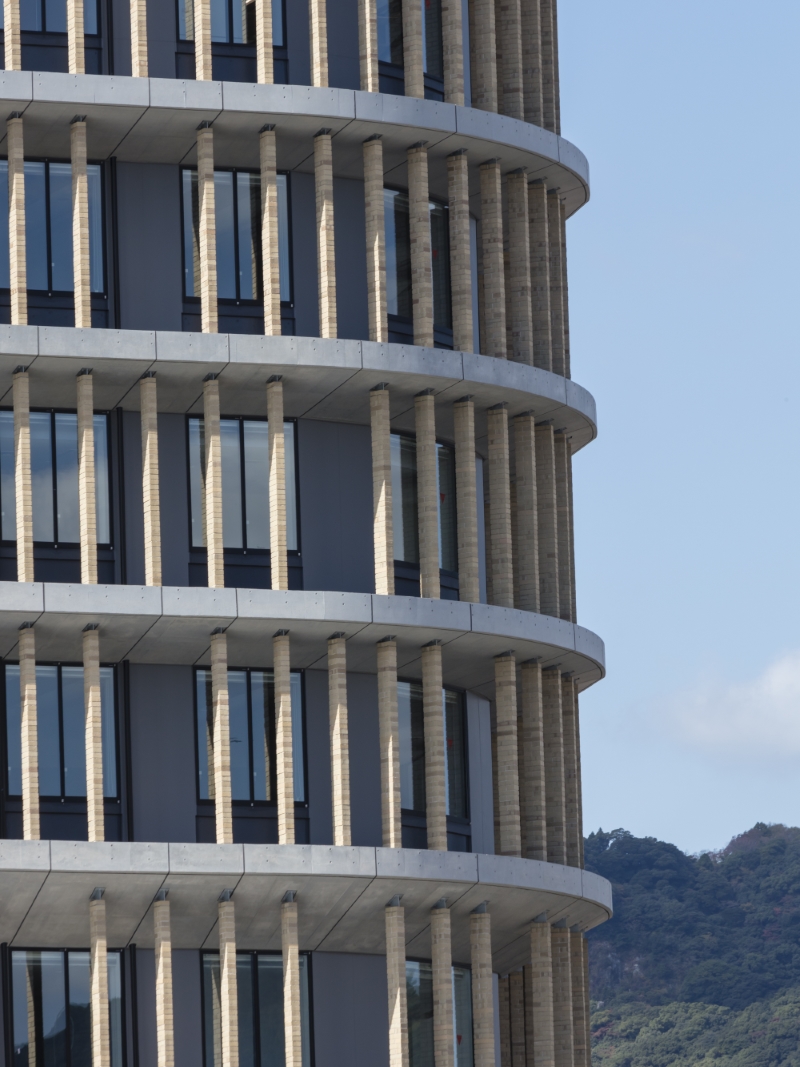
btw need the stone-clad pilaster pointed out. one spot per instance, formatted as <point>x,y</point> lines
<point>318,24</point>
<point>571,772</point>
<point>564,286</point>
<point>494,287</point>
<point>505,1020</point>
<point>427,494</point>
<point>270,250</point>
<point>435,751</point>
<point>556,282</point>
<point>17,260</point>
<point>508,24</point>
<point>453,52</point>
<point>412,48</point>
<point>526,540</point>
<point>483,55</point>
<point>466,501</point>
<point>12,34</point>
<point>389,742</point>
<point>539,241</point>
<point>165,1028</point>
<point>340,751</point>
<point>75,43</point>
<point>532,769</point>
<point>546,8</point>
<point>547,525</point>
<point>279,560</point>
<point>98,991</point>
<point>326,253</point>
<point>207,227</point>
<point>202,40</point>
<point>382,521</point>
<point>376,238</point>
<point>87,503</point>
<point>139,66</point>
<point>148,405</point>
<point>501,558</point>
<point>212,488</point>
<point>444,1038</point>
<point>516,1012</point>
<point>221,738</point>
<point>419,224</point>
<point>532,61</point>
<point>541,972</point>
<point>396,983</point>
<point>23,491</point>
<point>229,1008</point>
<point>518,280</point>
<point>480,935</point>
<point>284,742</point>
<point>505,681</point>
<point>563,462</point>
<point>81,272</point>
<point>554,765</point>
<point>587,1005</point>
<point>368,45</point>
<point>292,1020</point>
<point>264,60</point>
<point>580,1051</point>
<point>460,250</point>
<point>562,997</point>
<point>29,733</point>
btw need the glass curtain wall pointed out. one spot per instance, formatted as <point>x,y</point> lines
<point>232,22</point>
<point>50,16</point>
<point>390,35</point>
<point>404,498</point>
<point>398,259</point>
<point>419,992</point>
<point>412,750</point>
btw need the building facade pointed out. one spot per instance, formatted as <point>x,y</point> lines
<point>290,747</point>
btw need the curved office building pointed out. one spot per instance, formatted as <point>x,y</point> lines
<point>290,744</point>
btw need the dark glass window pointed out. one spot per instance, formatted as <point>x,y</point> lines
<point>50,16</point>
<point>412,750</point>
<point>245,483</point>
<point>251,701</point>
<point>48,227</point>
<point>398,258</point>
<point>390,32</point>
<point>237,197</point>
<point>432,56</point>
<point>61,729</point>
<point>52,1009</point>
<point>259,987</point>
<point>404,502</point>
<point>419,991</point>
<point>54,477</point>
<point>232,22</point>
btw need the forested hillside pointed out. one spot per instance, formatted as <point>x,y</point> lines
<point>701,962</point>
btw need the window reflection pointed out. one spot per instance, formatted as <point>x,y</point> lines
<point>398,258</point>
<point>412,750</point>
<point>390,32</point>
<point>404,502</point>
<point>232,22</point>
<point>419,992</point>
<point>50,16</point>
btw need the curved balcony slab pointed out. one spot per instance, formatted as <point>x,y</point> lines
<point>323,379</point>
<point>153,120</point>
<point>341,893</point>
<point>147,624</point>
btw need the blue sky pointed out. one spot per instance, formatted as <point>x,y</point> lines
<point>684,293</point>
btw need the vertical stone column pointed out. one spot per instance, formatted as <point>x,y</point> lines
<point>16,206</point>
<point>139,67</point>
<point>340,751</point>
<point>541,972</point>
<point>480,937</point>
<point>516,1012</point>
<point>419,222</point>
<point>279,560</point>
<point>87,504</point>
<point>148,405</point>
<point>23,490</point>
<point>556,283</point>
<point>98,991</point>
<point>202,40</point>
<point>532,61</point>
<point>556,78</point>
<point>505,682</point>
<point>483,55</point>
<point>435,751</point>
<point>548,64</point>
<point>526,513</point>
<point>270,252</point>
<point>382,513</point>
<point>547,520</point>
<point>503,990</point>
<point>396,982</point>
<point>444,1038</point>
<point>292,1021</point>
<point>284,743</point>
<point>574,604</point>
<point>212,488</point>
<point>539,241</point>
<point>587,1005</point>
<point>532,769</point>
<point>562,996</point>
<point>412,49</point>
<point>264,61</point>
<point>564,286</point>
<point>228,999</point>
<point>453,52</point>
<point>518,281</point>
<point>508,23</point>
<point>94,733</point>
<point>81,273</point>
<point>390,743</point>
<point>222,737</point>
<point>368,45</point>
<point>580,1051</point>
<point>29,733</point>
<point>12,34</point>
<point>571,784</point>
<point>460,248</point>
<point>75,42</point>
<point>466,501</point>
<point>494,287</point>
<point>207,236</point>
<point>318,25</point>
<point>563,461</point>
<point>165,1029</point>
<point>554,765</point>
<point>376,237</point>
<point>579,773</point>
<point>501,559</point>
<point>326,257</point>
<point>427,494</point>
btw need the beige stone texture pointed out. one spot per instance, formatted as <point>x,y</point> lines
<point>427,495</point>
<point>318,23</point>
<point>453,52</point>
<point>87,503</point>
<point>587,1005</point>
<point>435,752</point>
<point>564,287</point>
<point>75,44</point>
<point>139,67</point>
<point>326,257</point>
<point>505,687</point>
<point>503,991</point>
<point>501,558</point>
<point>546,8</point>
<point>563,463</point>
<point>494,287</point>
<point>526,520</point>
<point>532,61</point>
<point>80,222</point>
<point>95,801</point>
<point>292,1019</point>
<point>148,404</point>
<point>483,55</point>
<point>12,35</point>
<point>412,48</point>
<point>571,783</point>
<point>444,1038</point>
<point>264,61</point>
<point>460,250</point>
<point>556,282</point>
<point>391,818</point>
<point>29,734</point>
<point>518,273</point>
<point>531,763</point>
<point>339,735</point>
<point>556,87</point>
<point>549,600</point>
<point>368,45</point>
<point>508,25</point>
<point>284,750</point>
<point>580,1051</point>
<point>562,997</point>
<point>516,1011</point>
<point>229,1007</point>
<point>23,490</point>
<point>480,935</point>
<point>98,989</point>
<point>221,739</point>
<point>554,766</point>
<point>539,242</point>
<point>580,774</point>
<point>207,236</point>
<point>18,277</point>
<point>419,224</point>
<point>382,514</point>
<point>466,501</point>
<point>212,484</point>
<point>529,1058</point>
<point>487,532</point>
<point>541,973</point>
<point>376,238</point>
<point>270,253</point>
<point>165,1026</point>
<point>396,985</point>
<point>279,559</point>
<point>202,40</point>
<point>574,604</point>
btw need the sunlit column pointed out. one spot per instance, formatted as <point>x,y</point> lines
<point>453,51</point>
<point>212,489</point>
<point>98,993</point>
<point>564,287</point>
<point>483,55</point>
<point>229,1008</point>
<point>580,1050</point>
<point>501,559</point>
<point>87,504</point>
<point>264,60</point>
<point>207,235</point>
<point>318,25</point>
<point>480,930</point>
<point>222,738</point>
<point>376,238</point>
<point>23,490</point>
<point>547,525</point>
<point>29,733</point>
<point>81,272</point>
<point>444,1038</point>
<point>382,522</point>
<point>532,771</point>
<point>508,24</point>
<point>541,972</point>
<point>270,248</point>
<point>17,260</point>
<point>284,741</point>
<point>368,45</point>
<point>532,61</point>
<point>494,287</point>
<point>562,995</point>
<point>571,803</point>
<point>93,733</point>
<point>290,945</point>
<point>139,67</point>
<point>427,494</point>
<point>12,34</point>
<point>412,48</point>
<point>202,40</point>
<point>148,404</point>
<point>396,983</point>
<point>518,279</point>
<point>460,250</point>
<point>548,65</point>
<point>390,743</point>
<point>526,541</point>
<point>563,462</point>
<point>75,43</point>
<point>553,721</point>
<point>419,226</point>
<point>556,282</point>
<point>326,257</point>
<point>466,501</point>
<point>435,754</point>
<point>538,239</point>
<point>339,736</point>
<point>505,680</point>
<point>279,560</point>
<point>165,1027</point>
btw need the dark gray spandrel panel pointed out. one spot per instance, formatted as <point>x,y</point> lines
<point>350,1010</point>
<point>132,490</point>
<point>187,1008</point>
<point>351,259</point>
<point>304,254</point>
<point>121,40</point>
<point>149,224</point>
<point>297,41</point>
<point>174,497</point>
<point>344,69</point>
<point>481,794</point>
<point>163,753</point>
<point>318,757</point>
<point>146,1006</point>
<point>336,506</point>
<point>365,759</point>
<point>162,29</point>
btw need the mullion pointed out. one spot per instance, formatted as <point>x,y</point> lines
<point>242,482</point>
<point>61,731</point>
<point>272,741</point>
<point>47,223</point>
<point>53,459</point>
<point>235,184</point>
<point>250,735</point>
<point>256,1013</point>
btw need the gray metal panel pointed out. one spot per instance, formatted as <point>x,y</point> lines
<point>174,495</point>
<point>304,251</point>
<point>350,1010</point>
<point>481,801</point>
<point>186,1006</point>
<point>132,494</point>
<point>343,60</point>
<point>146,1005</point>
<point>351,264</point>
<point>318,757</point>
<point>365,759</point>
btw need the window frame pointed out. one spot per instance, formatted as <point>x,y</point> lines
<point>246,44</point>
<point>43,9</point>
<point>452,449</point>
